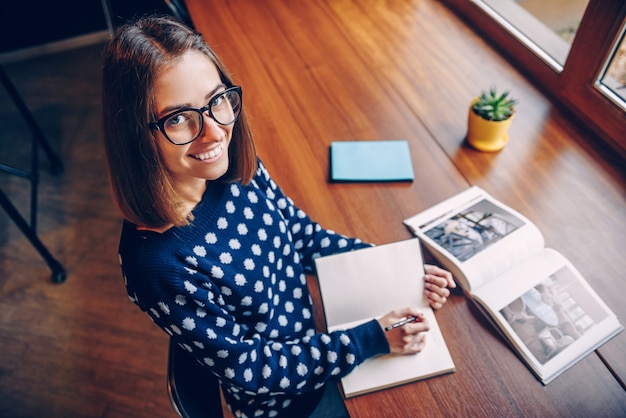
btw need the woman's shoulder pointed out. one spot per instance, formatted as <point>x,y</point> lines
<point>147,244</point>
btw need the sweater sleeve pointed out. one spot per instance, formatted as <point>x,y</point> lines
<point>311,240</point>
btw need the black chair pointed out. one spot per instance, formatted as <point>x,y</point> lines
<point>193,391</point>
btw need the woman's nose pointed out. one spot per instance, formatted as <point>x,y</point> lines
<point>212,130</point>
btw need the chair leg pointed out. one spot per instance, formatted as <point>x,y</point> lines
<point>55,161</point>
<point>58,272</point>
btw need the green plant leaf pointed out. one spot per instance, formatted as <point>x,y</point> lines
<point>494,106</point>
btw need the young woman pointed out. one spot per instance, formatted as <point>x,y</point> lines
<point>211,248</point>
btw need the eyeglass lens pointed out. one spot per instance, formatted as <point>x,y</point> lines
<point>185,126</point>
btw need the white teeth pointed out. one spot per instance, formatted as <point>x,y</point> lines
<point>207,155</point>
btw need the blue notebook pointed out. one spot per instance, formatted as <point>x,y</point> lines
<point>370,161</point>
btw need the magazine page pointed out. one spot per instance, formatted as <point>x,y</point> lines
<point>476,237</point>
<point>549,313</point>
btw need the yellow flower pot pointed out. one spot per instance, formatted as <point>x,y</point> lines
<point>487,135</point>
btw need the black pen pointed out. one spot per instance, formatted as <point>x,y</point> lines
<point>401,323</point>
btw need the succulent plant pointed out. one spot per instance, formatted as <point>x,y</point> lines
<point>494,106</point>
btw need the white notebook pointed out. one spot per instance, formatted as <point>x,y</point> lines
<point>360,285</point>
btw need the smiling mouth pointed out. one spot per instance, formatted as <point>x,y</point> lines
<point>210,154</point>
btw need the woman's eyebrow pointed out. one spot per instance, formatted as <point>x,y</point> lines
<point>213,92</point>
<point>173,108</point>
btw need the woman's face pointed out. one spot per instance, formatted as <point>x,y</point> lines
<point>192,81</point>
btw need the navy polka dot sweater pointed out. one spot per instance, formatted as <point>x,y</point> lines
<point>231,289</point>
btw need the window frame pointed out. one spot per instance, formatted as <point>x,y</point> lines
<point>575,87</point>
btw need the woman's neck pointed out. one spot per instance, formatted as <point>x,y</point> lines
<point>189,197</point>
<point>190,194</point>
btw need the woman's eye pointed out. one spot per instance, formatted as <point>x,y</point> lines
<point>177,119</point>
<point>218,100</point>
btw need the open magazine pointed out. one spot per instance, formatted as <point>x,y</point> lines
<point>533,295</point>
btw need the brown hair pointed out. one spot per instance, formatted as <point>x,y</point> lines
<point>141,184</point>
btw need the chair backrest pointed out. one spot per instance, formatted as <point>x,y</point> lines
<point>116,12</point>
<point>179,9</point>
<point>193,390</point>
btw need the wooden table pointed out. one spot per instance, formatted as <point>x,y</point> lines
<point>314,72</point>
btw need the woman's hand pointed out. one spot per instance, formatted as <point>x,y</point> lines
<point>437,281</point>
<point>408,338</point>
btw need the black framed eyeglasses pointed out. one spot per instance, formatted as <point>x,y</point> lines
<point>185,125</point>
